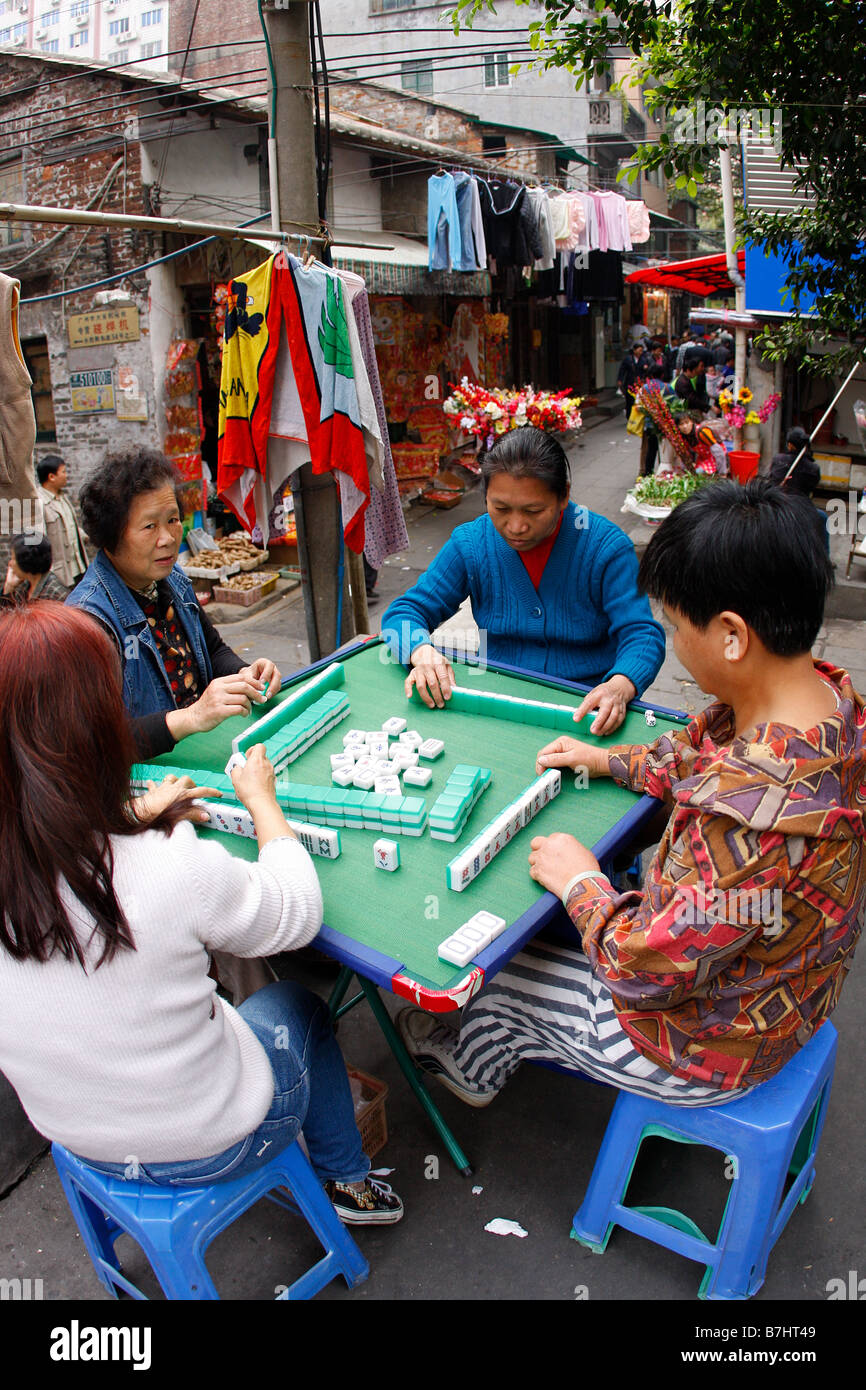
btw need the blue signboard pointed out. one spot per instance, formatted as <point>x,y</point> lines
<point>766,273</point>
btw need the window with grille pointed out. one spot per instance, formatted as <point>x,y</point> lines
<point>118,26</point>
<point>496,70</point>
<point>417,75</point>
<point>150,17</point>
<point>79,40</point>
<point>151,50</point>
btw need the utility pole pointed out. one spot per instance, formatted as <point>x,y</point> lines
<point>292,175</point>
<point>734,275</point>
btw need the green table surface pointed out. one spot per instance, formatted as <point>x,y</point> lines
<point>408,913</point>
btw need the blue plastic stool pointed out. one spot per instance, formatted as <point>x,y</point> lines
<point>175,1225</point>
<point>773,1131</point>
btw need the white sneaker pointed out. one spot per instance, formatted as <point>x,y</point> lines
<point>431,1045</point>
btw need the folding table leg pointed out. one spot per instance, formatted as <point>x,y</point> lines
<point>412,1075</point>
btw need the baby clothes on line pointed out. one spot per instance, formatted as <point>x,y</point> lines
<point>474,246</point>
<point>638,220</point>
<point>444,241</point>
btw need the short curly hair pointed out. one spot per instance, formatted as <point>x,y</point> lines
<point>107,496</point>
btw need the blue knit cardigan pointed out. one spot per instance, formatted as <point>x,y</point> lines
<point>586,622</point>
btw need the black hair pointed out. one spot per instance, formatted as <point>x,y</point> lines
<point>797,439</point>
<point>529,453</point>
<point>695,355</point>
<point>32,557</point>
<point>756,550</point>
<point>52,463</point>
<point>107,496</point>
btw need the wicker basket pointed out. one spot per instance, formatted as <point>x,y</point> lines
<point>245,597</point>
<point>370,1119</point>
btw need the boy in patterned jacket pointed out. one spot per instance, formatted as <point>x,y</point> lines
<point>734,953</point>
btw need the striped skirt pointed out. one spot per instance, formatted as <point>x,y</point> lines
<point>546,1005</point>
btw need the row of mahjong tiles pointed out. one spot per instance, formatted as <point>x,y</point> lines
<point>408,914</point>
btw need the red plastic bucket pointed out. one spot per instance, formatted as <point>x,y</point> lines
<point>744,464</point>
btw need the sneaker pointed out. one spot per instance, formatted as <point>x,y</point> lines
<point>431,1046</point>
<point>374,1205</point>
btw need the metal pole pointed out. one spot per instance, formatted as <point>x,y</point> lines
<point>734,274</point>
<point>316,498</point>
<point>821,421</point>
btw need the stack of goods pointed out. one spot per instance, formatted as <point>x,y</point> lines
<point>182,443</point>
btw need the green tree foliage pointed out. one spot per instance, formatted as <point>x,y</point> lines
<point>806,64</point>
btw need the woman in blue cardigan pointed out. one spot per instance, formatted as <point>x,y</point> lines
<point>553,586</point>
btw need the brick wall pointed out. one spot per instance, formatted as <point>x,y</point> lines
<point>69,135</point>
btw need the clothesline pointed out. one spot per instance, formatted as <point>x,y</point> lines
<point>470,219</point>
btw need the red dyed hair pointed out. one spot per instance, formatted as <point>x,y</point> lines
<point>66,750</point>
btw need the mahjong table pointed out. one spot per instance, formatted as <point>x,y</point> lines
<point>385,927</point>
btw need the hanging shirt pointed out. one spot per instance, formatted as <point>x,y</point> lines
<point>613,221</point>
<point>280,304</point>
<point>638,220</point>
<point>535,559</point>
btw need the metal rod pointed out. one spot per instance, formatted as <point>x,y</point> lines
<point>76,217</point>
<point>821,421</point>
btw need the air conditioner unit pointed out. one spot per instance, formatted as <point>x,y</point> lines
<point>82,19</point>
<point>110,5</point>
<point>24,7</point>
<point>130,37</point>
<point>20,41</point>
<point>40,33</point>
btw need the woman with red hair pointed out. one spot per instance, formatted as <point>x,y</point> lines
<point>111,1031</point>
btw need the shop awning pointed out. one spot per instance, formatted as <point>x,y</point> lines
<point>705,275</point>
<point>393,264</point>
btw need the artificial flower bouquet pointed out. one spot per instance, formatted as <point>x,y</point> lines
<point>491,412</point>
<point>735,411</point>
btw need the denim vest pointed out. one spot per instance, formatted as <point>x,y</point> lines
<point>146,687</point>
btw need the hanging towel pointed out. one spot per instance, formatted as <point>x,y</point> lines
<point>560,221</point>
<point>385,524</point>
<point>444,244</point>
<point>17,421</point>
<point>316,392</point>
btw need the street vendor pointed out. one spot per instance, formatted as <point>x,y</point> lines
<point>553,588</point>
<point>179,677</point>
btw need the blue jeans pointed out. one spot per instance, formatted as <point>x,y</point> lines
<point>311,1093</point>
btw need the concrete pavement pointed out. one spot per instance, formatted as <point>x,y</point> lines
<point>533,1149</point>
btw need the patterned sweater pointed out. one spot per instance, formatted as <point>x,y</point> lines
<point>736,950</point>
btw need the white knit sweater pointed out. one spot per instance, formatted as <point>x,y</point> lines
<point>127,1062</point>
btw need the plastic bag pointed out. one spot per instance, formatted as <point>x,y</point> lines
<point>636,421</point>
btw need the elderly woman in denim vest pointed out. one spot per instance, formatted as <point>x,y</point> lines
<point>179,677</point>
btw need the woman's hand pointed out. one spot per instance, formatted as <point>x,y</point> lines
<point>225,698</point>
<point>611,698</point>
<point>571,753</point>
<point>171,791</point>
<point>557,858</point>
<point>431,675</point>
<point>265,673</point>
<point>255,782</point>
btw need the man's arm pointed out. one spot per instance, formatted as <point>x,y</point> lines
<point>657,948</point>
